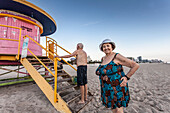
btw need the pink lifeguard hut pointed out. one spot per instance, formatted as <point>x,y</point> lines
<point>32,20</point>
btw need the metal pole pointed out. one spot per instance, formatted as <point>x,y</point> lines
<point>55,85</point>
<point>18,71</point>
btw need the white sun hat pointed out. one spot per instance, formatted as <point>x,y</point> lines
<point>107,41</point>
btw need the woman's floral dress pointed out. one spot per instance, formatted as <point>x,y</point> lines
<point>112,95</point>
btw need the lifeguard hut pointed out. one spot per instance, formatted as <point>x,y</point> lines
<point>21,26</point>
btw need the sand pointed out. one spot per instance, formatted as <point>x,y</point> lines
<point>149,90</point>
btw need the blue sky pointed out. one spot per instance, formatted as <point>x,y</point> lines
<point>138,27</point>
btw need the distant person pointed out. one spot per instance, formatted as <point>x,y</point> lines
<point>81,62</point>
<point>113,80</point>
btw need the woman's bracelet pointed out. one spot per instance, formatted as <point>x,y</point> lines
<point>127,77</point>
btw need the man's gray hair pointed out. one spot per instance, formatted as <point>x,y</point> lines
<point>80,45</point>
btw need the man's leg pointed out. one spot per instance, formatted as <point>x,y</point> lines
<point>82,94</point>
<point>85,91</point>
<point>119,110</point>
<point>114,110</point>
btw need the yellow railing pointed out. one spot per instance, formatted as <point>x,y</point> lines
<point>55,43</point>
<point>52,40</point>
<point>19,41</point>
<point>55,66</point>
<point>47,51</point>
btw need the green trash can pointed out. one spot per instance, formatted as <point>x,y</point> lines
<point>74,79</point>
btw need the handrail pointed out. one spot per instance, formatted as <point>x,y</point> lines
<point>61,48</point>
<point>20,29</point>
<point>55,66</point>
<point>64,49</point>
<point>58,45</point>
<point>47,41</point>
<point>39,45</point>
<point>65,62</point>
<point>41,62</point>
<point>69,64</point>
<point>51,39</point>
<point>9,39</point>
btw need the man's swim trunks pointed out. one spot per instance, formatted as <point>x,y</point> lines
<point>81,75</point>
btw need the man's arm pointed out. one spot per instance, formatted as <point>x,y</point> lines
<point>68,56</point>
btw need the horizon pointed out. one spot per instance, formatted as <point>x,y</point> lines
<point>138,28</point>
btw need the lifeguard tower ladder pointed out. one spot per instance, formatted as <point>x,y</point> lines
<point>21,25</point>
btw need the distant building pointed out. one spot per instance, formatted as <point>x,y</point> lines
<point>131,58</point>
<point>156,61</point>
<point>89,59</point>
<point>145,61</point>
<point>139,59</point>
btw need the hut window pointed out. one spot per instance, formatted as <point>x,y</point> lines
<point>26,28</point>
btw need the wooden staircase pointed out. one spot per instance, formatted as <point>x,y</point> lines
<point>67,90</point>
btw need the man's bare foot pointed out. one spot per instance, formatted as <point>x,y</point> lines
<point>81,102</point>
<point>86,99</point>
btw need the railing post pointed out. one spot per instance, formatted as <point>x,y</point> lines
<point>55,85</point>
<point>46,46</point>
<point>19,43</point>
<point>18,71</point>
<point>56,48</point>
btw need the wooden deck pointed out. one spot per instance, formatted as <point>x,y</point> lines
<point>10,59</point>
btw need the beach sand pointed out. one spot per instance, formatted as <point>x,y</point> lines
<point>149,90</point>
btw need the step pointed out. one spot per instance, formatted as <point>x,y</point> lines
<point>64,80</point>
<point>69,95</point>
<point>58,70</point>
<point>51,81</point>
<point>37,60</point>
<point>40,57</point>
<point>75,107</point>
<point>65,88</point>
<point>73,99</point>
<point>43,62</point>
<point>48,76</point>
<point>62,74</point>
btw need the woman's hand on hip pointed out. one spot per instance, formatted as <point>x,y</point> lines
<point>105,78</point>
<point>123,84</point>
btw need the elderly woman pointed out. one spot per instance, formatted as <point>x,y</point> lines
<point>114,86</point>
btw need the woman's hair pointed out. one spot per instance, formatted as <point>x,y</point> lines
<point>113,47</point>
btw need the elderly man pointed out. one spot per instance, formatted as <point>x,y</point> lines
<point>81,58</point>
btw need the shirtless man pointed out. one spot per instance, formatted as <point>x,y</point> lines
<point>81,58</point>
